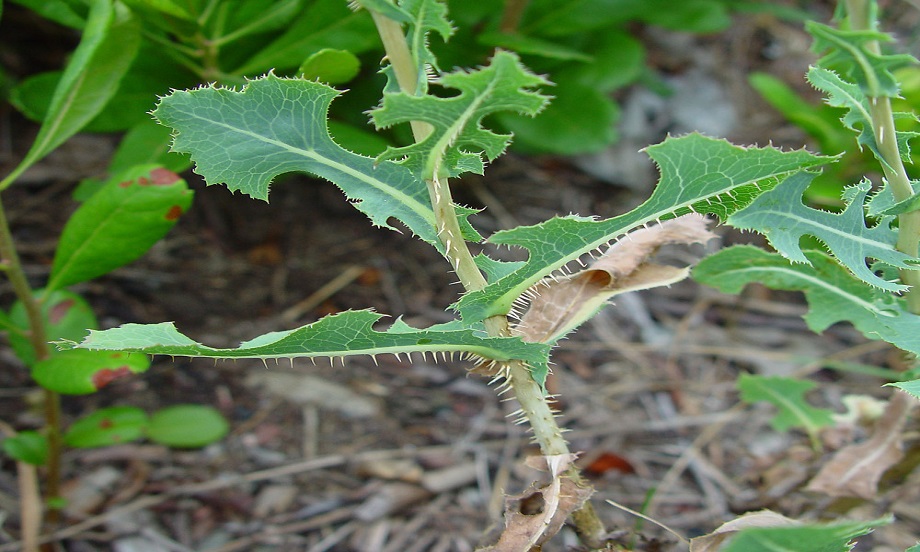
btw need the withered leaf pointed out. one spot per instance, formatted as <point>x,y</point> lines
<point>560,497</point>
<point>558,306</point>
<point>855,470</point>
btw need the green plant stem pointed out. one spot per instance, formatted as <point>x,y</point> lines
<point>39,340</point>
<point>210,72</point>
<point>861,18</point>
<point>529,394</point>
<point>397,50</point>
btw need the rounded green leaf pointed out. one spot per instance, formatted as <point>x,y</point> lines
<point>32,96</point>
<point>67,316</point>
<point>619,59</point>
<point>30,447</point>
<point>108,426</point>
<point>119,223</point>
<point>80,372</point>
<point>187,426</point>
<point>330,66</point>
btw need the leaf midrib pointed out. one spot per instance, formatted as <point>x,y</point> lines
<point>417,207</point>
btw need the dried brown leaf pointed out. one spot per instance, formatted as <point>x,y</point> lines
<point>560,497</point>
<point>558,306</point>
<point>855,470</point>
<point>714,540</point>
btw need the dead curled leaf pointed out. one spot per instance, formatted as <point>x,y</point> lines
<point>764,518</point>
<point>558,306</point>
<point>560,497</point>
<point>855,470</point>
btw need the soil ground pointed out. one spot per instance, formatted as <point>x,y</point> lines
<point>418,456</point>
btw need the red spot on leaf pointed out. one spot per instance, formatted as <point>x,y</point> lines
<point>125,184</point>
<point>106,376</point>
<point>143,181</point>
<point>173,212</point>
<point>106,423</point>
<point>163,177</point>
<point>59,310</point>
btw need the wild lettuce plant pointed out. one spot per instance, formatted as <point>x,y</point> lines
<point>511,314</point>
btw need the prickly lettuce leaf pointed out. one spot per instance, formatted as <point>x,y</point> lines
<point>912,387</point>
<point>840,93</point>
<point>847,48</point>
<point>698,174</point>
<point>246,138</point>
<point>780,215</point>
<point>343,334</point>
<point>832,537</point>
<point>425,17</point>
<point>833,293</point>
<point>458,142</point>
<point>788,396</point>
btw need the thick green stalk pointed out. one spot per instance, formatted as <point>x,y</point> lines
<point>397,49</point>
<point>861,17</point>
<point>529,394</point>
<point>39,340</point>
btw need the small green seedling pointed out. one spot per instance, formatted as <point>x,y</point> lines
<point>117,221</point>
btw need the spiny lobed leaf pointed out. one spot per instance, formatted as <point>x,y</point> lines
<point>840,93</point>
<point>912,387</point>
<point>788,396</point>
<point>458,141</point>
<point>833,293</point>
<point>847,48</point>
<point>832,537</point>
<point>246,138</point>
<point>422,17</point>
<point>780,215</point>
<point>426,16</point>
<point>697,174</point>
<point>343,334</point>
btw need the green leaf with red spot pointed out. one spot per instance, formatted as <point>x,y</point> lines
<point>119,223</point>
<point>66,316</point>
<point>80,372</point>
<point>107,426</point>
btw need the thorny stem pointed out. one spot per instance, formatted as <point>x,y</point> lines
<point>861,18</point>
<point>528,393</point>
<point>39,340</point>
